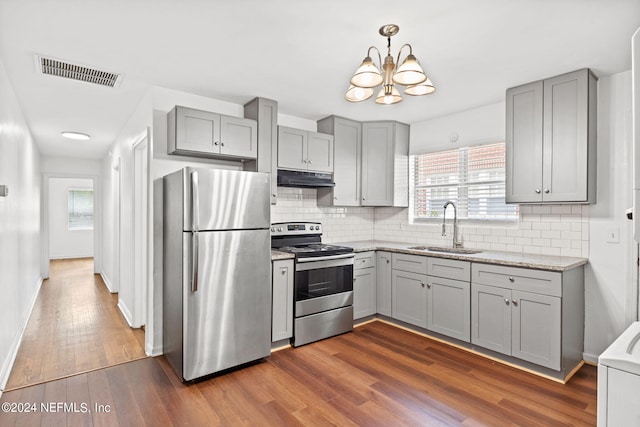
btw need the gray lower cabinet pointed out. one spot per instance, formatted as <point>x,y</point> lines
<point>364,285</point>
<point>282,300</point>
<point>449,307</point>
<point>383,283</point>
<point>409,297</point>
<point>522,315</point>
<point>303,150</point>
<point>200,133</point>
<point>551,140</point>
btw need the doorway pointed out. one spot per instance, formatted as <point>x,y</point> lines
<point>71,218</point>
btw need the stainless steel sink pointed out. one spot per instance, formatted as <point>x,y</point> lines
<point>446,250</point>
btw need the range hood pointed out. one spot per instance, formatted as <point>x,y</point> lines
<point>302,179</point>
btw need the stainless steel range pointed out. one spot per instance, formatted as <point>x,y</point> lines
<point>323,281</point>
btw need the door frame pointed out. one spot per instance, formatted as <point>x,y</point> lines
<point>141,234</point>
<point>97,220</point>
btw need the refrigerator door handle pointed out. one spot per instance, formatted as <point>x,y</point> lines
<point>194,263</point>
<point>195,202</point>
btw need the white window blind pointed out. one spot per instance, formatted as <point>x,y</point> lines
<point>472,177</point>
<point>80,209</point>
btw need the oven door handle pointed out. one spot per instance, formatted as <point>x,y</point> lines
<point>325,258</point>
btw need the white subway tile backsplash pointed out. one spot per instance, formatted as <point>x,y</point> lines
<point>557,230</point>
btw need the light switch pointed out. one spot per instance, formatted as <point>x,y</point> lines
<point>613,235</point>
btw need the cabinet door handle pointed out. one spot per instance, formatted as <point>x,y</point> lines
<point>388,261</point>
<point>422,283</point>
<point>216,143</point>
<point>429,285</point>
<point>537,191</point>
<point>283,271</point>
<point>310,161</point>
<point>364,198</point>
<point>506,301</point>
<point>515,303</point>
<point>354,279</point>
<point>222,143</point>
<point>511,279</point>
<point>546,191</point>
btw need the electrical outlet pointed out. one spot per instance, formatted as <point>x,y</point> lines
<point>613,235</point>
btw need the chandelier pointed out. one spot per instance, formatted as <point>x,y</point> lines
<point>368,75</point>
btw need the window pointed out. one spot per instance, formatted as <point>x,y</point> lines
<point>472,177</point>
<point>80,209</point>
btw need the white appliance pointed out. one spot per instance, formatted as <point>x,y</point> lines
<point>619,381</point>
<point>217,268</point>
<point>619,365</point>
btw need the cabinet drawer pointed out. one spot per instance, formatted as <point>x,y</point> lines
<point>522,279</point>
<point>364,260</point>
<point>411,263</point>
<point>449,268</point>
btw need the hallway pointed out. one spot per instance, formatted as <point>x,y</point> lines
<point>75,327</point>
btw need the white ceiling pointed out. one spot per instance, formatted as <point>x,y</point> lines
<point>300,53</point>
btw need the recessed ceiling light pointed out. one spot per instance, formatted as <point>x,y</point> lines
<point>75,135</point>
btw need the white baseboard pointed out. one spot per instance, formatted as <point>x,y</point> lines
<point>126,313</point>
<point>15,345</point>
<point>106,281</point>
<point>153,351</point>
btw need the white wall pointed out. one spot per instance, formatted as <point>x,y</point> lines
<point>118,244</point>
<point>610,302</point>
<point>481,125</point>
<point>65,243</point>
<point>19,225</point>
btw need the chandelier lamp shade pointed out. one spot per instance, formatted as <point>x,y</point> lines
<point>368,76</point>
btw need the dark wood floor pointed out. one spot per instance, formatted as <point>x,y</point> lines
<point>75,326</point>
<point>378,375</point>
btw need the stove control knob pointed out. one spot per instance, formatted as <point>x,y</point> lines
<point>273,229</point>
<point>317,227</point>
<point>279,228</point>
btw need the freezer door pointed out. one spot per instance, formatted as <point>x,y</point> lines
<point>227,311</point>
<point>218,199</point>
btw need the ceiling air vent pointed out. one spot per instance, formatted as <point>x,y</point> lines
<point>54,67</point>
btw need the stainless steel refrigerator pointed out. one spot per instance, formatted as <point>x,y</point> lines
<point>217,264</point>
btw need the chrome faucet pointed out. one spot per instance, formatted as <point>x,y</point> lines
<point>456,243</point>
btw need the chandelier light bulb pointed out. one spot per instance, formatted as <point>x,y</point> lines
<point>357,94</point>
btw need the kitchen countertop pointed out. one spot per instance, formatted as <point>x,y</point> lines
<point>277,255</point>
<point>511,259</point>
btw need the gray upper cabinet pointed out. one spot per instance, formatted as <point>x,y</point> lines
<point>551,140</point>
<point>292,148</point>
<point>385,164</point>
<point>347,162</point>
<point>200,133</point>
<point>265,112</point>
<point>303,150</point>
